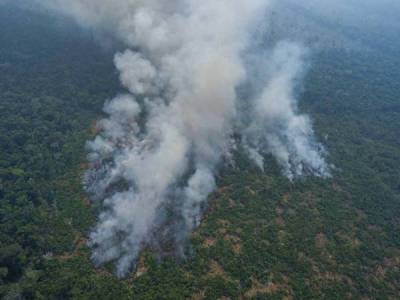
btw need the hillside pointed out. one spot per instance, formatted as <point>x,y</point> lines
<point>263,236</point>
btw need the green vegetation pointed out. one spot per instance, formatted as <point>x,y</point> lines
<point>263,237</point>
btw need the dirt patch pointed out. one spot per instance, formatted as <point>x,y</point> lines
<point>224,190</point>
<point>94,129</point>
<point>237,248</point>
<point>321,240</point>
<point>251,191</point>
<point>285,198</point>
<point>269,288</point>
<point>336,187</point>
<point>209,242</point>
<point>217,270</point>
<point>223,225</point>
<point>280,221</point>
<point>199,296</point>
<point>80,242</point>
<point>141,267</point>
<point>65,256</point>
<point>86,201</point>
<point>231,202</point>
<point>235,241</point>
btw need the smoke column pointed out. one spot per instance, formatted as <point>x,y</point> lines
<point>274,125</point>
<point>159,150</point>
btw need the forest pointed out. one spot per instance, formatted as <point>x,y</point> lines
<point>263,236</point>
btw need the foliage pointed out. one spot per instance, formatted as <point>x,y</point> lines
<point>263,236</point>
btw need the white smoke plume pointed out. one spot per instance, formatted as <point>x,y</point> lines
<point>275,126</point>
<point>159,150</point>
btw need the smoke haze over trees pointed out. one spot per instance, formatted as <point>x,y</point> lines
<point>182,70</point>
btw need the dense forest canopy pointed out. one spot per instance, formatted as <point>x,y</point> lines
<point>263,236</point>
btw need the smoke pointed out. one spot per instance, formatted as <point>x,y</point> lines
<point>155,161</point>
<point>275,126</point>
